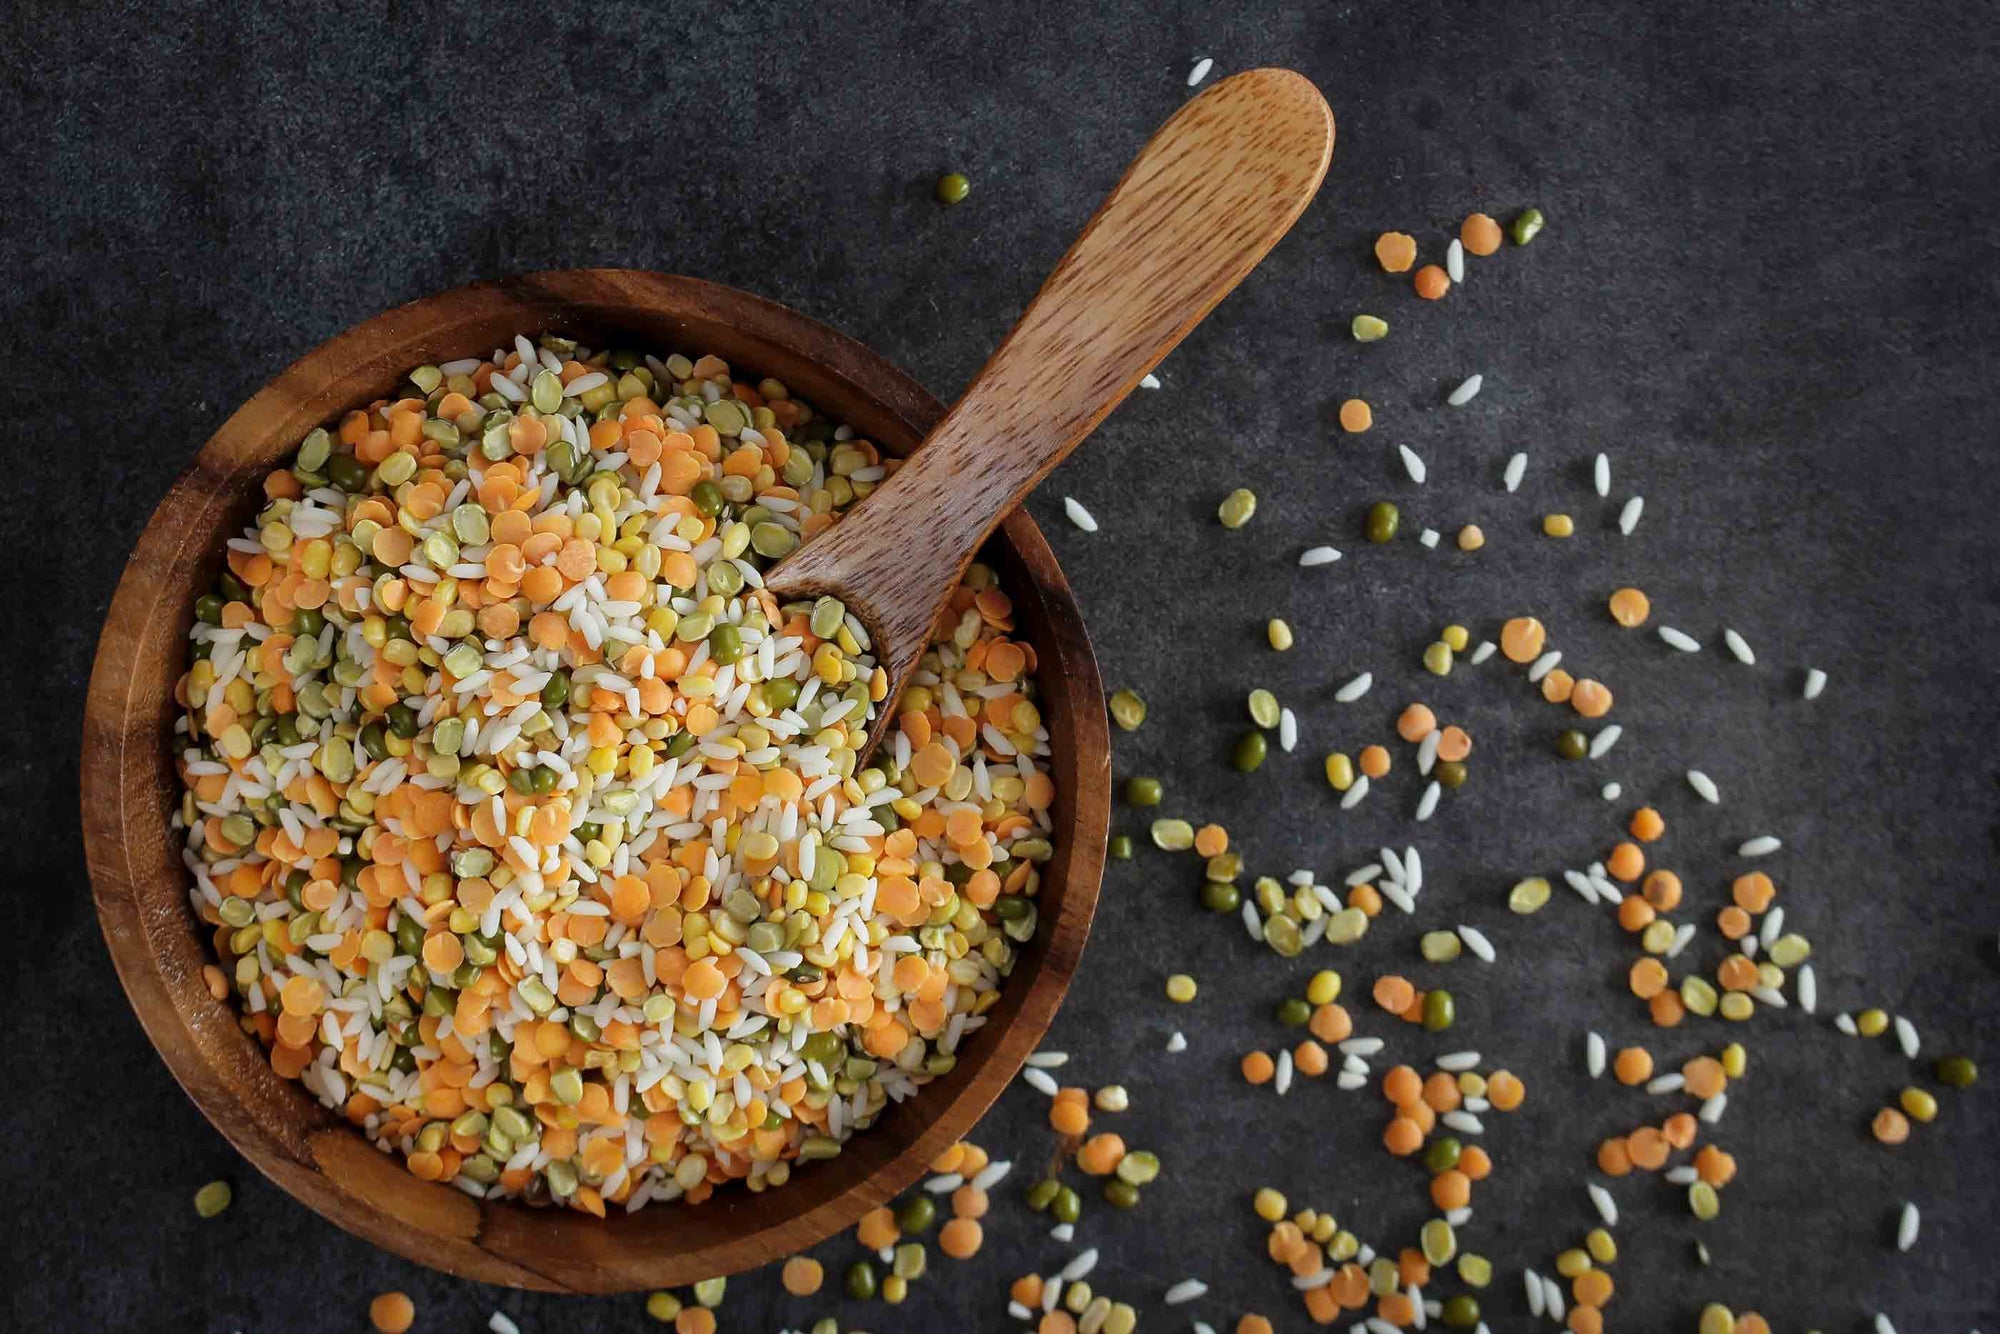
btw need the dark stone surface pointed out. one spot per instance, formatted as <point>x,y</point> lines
<point>1767,290</point>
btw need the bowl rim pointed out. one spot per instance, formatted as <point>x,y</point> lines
<point>319,1158</point>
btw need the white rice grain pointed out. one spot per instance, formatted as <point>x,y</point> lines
<point>1906,1228</point>
<point>1739,647</point>
<point>1428,539</point>
<point>1601,744</point>
<point>1452,1062</point>
<point>1080,1266</point>
<point>1200,71</point>
<point>1428,803</point>
<point>1177,1042</point>
<point>1517,468</point>
<point>498,1322</point>
<point>1607,1208</point>
<point>1149,381</point>
<point>1712,1108</point>
<point>1704,787</point>
<point>1078,515</point>
<point>1355,688</point>
<point>1761,846</point>
<point>1815,683</point>
<point>1468,388</point>
<point>1845,1023</point>
<point>1672,1082</point>
<point>1454,260</point>
<point>1048,1060</point>
<point>1352,797</point>
<point>1486,649</point>
<point>1686,643</point>
<point>1611,791</point>
<point>993,1174</point>
<point>1628,517</point>
<point>1412,465</point>
<point>1906,1038</point>
<point>1476,941</point>
<point>1533,1283</point>
<point>1600,474</point>
<point>1040,1081</point>
<point>1545,664</point>
<point>1808,988</point>
<point>1316,556</point>
<point>1288,730</point>
<point>1593,1053</point>
<point>1185,1291</point>
<point>1283,1080</point>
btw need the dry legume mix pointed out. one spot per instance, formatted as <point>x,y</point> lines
<point>530,827</point>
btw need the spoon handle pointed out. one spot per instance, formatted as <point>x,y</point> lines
<point>1203,202</point>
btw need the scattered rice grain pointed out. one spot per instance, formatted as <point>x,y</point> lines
<point>1412,465</point>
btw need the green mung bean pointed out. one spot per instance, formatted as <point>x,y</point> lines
<point>212,1199</point>
<point>1263,708</point>
<point>1127,709</point>
<point>1237,508</point>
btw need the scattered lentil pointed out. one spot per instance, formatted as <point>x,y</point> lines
<point>1238,507</point>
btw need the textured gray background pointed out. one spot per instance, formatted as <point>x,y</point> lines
<point>1767,289</point>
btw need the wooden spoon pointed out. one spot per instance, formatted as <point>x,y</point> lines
<point>1207,197</point>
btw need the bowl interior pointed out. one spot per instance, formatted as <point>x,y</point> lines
<point>141,886</point>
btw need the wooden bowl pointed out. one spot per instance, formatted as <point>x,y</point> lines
<point>129,790</point>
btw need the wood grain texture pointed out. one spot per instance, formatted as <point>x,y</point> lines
<point>141,888</point>
<point>1204,201</point>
